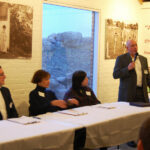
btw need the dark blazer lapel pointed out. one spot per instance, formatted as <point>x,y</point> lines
<point>1,118</point>
<point>140,58</point>
<point>129,58</point>
<point>4,94</point>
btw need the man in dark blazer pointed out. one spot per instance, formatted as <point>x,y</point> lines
<point>7,107</point>
<point>132,70</point>
<point>133,74</point>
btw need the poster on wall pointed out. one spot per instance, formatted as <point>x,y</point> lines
<point>145,27</point>
<point>145,34</point>
<point>116,35</point>
<point>15,31</point>
<point>146,45</point>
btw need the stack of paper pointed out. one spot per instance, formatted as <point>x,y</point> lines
<point>24,120</point>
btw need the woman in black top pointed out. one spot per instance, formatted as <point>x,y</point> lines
<point>80,90</point>
<point>42,100</point>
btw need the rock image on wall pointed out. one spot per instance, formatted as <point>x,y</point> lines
<point>116,35</point>
<point>15,31</point>
<point>64,53</point>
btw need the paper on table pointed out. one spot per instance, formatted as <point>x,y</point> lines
<point>54,115</point>
<point>105,107</point>
<point>72,112</point>
<point>24,120</point>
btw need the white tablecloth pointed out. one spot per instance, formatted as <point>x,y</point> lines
<point>50,135</point>
<point>107,127</point>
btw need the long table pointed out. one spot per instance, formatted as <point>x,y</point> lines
<point>51,135</point>
<point>106,125</point>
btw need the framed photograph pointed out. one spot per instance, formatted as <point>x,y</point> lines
<point>15,31</point>
<point>117,33</point>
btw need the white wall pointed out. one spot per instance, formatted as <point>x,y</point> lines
<point>19,72</point>
<point>144,32</point>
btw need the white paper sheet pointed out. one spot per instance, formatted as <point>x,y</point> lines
<point>24,120</point>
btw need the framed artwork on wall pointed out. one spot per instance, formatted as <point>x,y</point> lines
<point>15,31</point>
<point>116,35</point>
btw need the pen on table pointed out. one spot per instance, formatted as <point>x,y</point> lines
<point>36,117</point>
<point>106,107</point>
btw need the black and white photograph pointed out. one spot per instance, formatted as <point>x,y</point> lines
<point>116,35</point>
<point>15,31</point>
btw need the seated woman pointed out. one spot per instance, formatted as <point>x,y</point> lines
<point>80,90</point>
<point>42,100</point>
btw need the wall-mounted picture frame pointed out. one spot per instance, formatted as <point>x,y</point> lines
<point>117,33</point>
<point>15,31</point>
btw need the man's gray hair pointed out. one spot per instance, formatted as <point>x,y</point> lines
<point>128,42</point>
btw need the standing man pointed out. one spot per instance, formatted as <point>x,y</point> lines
<point>7,107</point>
<point>132,70</point>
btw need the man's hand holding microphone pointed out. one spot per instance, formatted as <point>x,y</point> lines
<point>131,66</point>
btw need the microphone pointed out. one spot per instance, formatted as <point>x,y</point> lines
<point>135,57</point>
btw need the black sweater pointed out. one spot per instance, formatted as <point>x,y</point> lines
<point>40,99</point>
<point>82,97</point>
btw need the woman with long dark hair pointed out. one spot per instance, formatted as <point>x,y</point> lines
<point>80,90</point>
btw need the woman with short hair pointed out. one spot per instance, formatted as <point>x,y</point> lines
<point>42,100</point>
